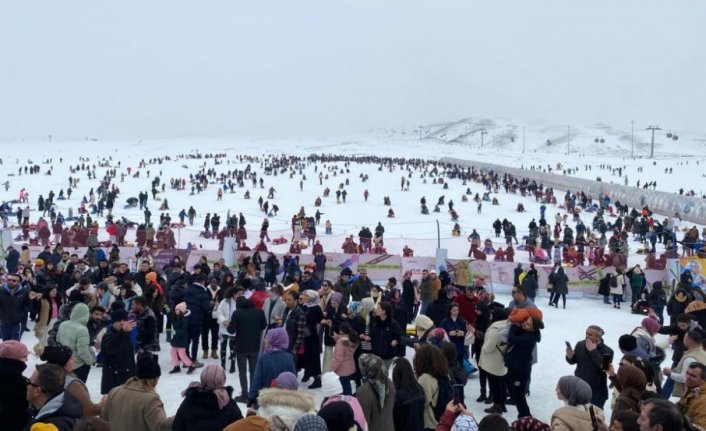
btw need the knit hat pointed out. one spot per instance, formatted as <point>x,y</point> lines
<point>151,276</point>
<point>331,384</point>
<point>61,265</point>
<point>40,426</point>
<point>336,297</point>
<point>38,263</point>
<point>529,423</point>
<point>181,307</point>
<point>464,423</point>
<point>148,368</point>
<point>12,349</point>
<point>338,416</point>
<point>651,325</point>
<point>627,343</point>
<point>310,422</point>
<point>250,423</point>
<point>286,380</point>
<point>118,315</point>
<point>437,336</point>
<point>423,322</point>
<point>575,390</point>
<point>56,354</point>
<point>519,315</point>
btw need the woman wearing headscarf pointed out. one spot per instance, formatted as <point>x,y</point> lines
<point>274,360</point>
<point>334,316</point>
<point>576,414</point>
<point>377,394</point>
<point>310,422</point>
<point>207,404</point>
<point>310,360</point>
<point>631,382</point>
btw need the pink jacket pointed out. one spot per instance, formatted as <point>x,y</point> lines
<point>343,363</point>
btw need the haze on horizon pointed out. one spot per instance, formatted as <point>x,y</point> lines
<point>123,69</point>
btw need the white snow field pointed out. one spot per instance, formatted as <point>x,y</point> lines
<point>408,227</point>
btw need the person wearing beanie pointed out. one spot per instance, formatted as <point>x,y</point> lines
<point>576,413</point>
<point>117,351</point>
<point>423,326</point>
<point>181,316</point>
<point>63,357</point>
<point>339,416</point>
<point>286,380</point>
<point>628,346</point>
<point>208,404</point>
<point>136,406</point>
<point>13,391</point>
<point>523,338</point>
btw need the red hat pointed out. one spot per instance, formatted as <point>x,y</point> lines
<point>12,349</point>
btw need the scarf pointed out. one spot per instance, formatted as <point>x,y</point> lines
<point>213,379</point>
<point>373,370</point>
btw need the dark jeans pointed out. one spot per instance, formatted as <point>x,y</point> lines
<point>635,294</point>
<point>225,340</point>
<point>251,360</point>
<point>497,389</point>
<point>194,332</point>
<point>516,384</point>
<point>11,332</point>
<point>346,384</point>
<point>209,326</point>
<point>82,372</point>
<point>563,299</point>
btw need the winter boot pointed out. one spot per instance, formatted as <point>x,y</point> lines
<point>175,370</point>
<point>232,367</point>
<point>191,369</point>
<point>495,408</point>
<point>214,354</point>
<point>481,398</point>
<point>205,354</point>
<point>316,383</point>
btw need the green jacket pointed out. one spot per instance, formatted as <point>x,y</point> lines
<point>73,334</point>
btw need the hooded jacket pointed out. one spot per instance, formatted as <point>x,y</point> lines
<point>73,333</point>
<point>288,406</point>
<point>62,411</point>
<point>247,323</point>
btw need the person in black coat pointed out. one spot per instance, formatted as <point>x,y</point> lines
<point>14,415</point>
<point>14,306</point>
<point>12,259</point>
<point>408,411</point>
<point>247,323</point>
<point>198,301</point>
<point>589,355</point>
<point>385,333</point>
<point>207,404</point>
<point>408,296</point>
<point>530,285</point>
<point>439,308</point>
<point>118,352</point>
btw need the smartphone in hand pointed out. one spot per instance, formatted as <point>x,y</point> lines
<point>568,345</point>
<point>606,361</point>
<point>458,394</point>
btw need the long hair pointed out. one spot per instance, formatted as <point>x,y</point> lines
<point>429,360</point>
<point>347,329</point>
<point>403,375</point>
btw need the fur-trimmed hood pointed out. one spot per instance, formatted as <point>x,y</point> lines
<point>285,406</point>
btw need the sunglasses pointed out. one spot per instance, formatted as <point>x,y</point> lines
<point>30,383</point>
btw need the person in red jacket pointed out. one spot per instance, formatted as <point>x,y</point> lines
<point>467,305</point>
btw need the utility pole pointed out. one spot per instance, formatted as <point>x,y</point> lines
<point>652,146</point>
<point>632,139</point>
<point>568,140</point>
<point>483,132</point>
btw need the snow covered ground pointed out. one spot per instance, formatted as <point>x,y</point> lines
<point>408,227</point>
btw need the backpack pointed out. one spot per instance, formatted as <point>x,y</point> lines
<point>613,281</point>
<point>444,395</point>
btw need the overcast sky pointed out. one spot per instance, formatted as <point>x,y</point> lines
<point>158,68</point>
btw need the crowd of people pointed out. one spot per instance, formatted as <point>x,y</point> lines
<point>348,337</point>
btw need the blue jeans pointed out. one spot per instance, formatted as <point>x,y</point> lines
<point>423,308</point>
<point>667,388</point>
<point>11,332</point>
<point>346,384</point>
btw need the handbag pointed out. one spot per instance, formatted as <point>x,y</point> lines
<point>469,338</point>
<point>469,367</point>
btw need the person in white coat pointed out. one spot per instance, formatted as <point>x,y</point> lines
<point>617,287</point>
<point>225,310</point>
<point>492,359</point>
